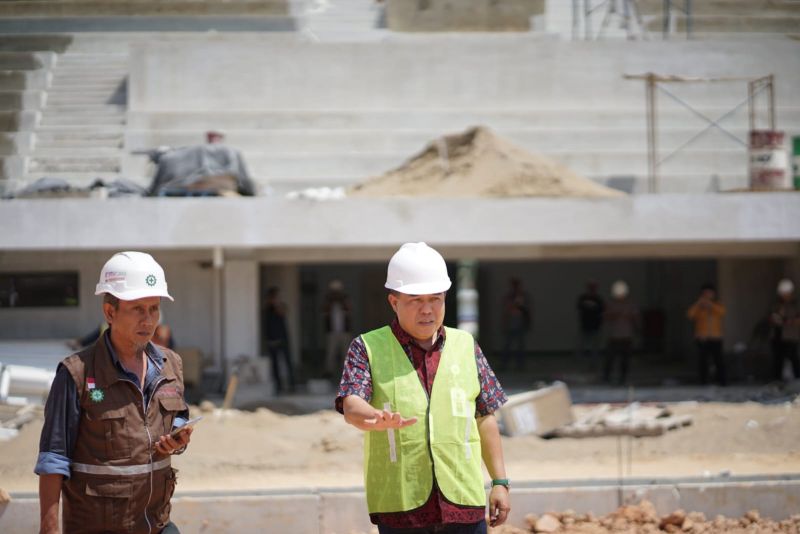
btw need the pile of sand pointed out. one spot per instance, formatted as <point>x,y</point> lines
<point>478,163</point>
<point>642,518</point>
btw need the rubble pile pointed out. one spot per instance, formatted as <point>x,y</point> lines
<point>642,518</point>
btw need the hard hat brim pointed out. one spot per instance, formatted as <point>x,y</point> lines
<point>428,288</point>
<point>136,294</point>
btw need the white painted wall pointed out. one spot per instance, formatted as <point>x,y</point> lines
<point>241,311</point>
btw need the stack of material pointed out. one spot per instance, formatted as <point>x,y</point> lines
<point>632,420</point>
<point>478,163</point>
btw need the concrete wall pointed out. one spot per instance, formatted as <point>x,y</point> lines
<point>308,114</point>
<point>435,72</point>
<point>461,15</point>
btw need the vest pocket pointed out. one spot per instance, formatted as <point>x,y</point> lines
<point>170,406</point>
<point>111,499</point>
<point>118,439</point>
<point>161,498</point>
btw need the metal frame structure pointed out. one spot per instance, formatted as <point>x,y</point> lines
<point>628,10</point>
<point>654,83</point>
<point>668,18</point>
<point>583,10</point>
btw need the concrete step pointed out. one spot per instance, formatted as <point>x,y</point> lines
<point>15,121</point>
<point>74,164</point>
<point>21,100</point>
<point>86,119</point>
<point>27,43</point>
<point>434,120</point>
<point>100,108</point>
<point>21,80</point>
<point>76,179</point>
<point>52,152</point>
<point>409,141</point>
<point>21,61</point>
<point>96,8</point>
<point>146,23</point>
<point>324,167</point>
<point>16,143</point>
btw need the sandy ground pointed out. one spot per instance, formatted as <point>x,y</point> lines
<point>262,449</point>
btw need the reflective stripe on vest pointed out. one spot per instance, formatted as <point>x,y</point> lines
<point>122,470</point>
<point>399,466</point>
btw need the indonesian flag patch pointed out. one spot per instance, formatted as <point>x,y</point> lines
<point>95,394</point>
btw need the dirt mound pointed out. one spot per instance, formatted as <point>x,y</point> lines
<point>478,163</point>
<point>643,519</point>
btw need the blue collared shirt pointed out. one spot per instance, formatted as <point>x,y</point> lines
<point>62,413</point>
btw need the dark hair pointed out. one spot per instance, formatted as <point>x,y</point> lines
<point>272,291</point>
<point>108,298</point>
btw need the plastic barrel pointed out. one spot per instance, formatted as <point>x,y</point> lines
<point>768,160</point>
<point>796,161</point>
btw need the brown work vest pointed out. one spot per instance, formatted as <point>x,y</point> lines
<point>128,485</point>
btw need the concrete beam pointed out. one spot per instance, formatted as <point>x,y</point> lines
<point>525,225</point>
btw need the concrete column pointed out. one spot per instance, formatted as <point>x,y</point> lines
<point>747,289</point>
<point>287,278</point>
<point>240,315</point>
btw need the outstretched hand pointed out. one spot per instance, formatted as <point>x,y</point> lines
<point>385,420</point>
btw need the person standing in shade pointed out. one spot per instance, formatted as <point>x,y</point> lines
<point>590,314</point>
<point>276,339</point>
<point>516,320</point>
<point>425,396</point>
<point>707,314</point>
<point>106,443</point>
<point>622,321</point>
<point>337,326</point>
<point>785,321</point>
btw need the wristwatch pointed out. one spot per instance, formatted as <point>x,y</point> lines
<point>501,482</point>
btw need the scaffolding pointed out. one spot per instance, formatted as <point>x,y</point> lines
<point>629,16</point>
<point>655,84</point>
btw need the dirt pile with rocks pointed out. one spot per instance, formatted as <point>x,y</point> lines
<point>479,163</point>
<point>642,518</point>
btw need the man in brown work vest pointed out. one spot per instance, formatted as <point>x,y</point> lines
<point>106,441</point>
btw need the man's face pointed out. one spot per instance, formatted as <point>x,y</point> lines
<point>134,321</point>
<point>708,294</point>
<point>419,315</point>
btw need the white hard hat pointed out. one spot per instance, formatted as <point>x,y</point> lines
<point>417,269</point>
<point>785,287</point>
<point>131,276</point>
<point>619,289</point>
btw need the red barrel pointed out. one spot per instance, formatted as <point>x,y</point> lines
<point>769,163</point>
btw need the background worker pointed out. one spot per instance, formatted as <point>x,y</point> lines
<point>590,316</point>
<point>337,326</point>
<point>707,313</point>
<point>402,381</point>
<point>276,340</point>
<point>622,322</point>
<point>517,316</point>
<point>785,321</point>
<point>105,444</point>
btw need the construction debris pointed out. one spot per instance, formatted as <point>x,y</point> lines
<point>537,412</point>
<point>643,518</point>
<point>547,412</point>
<point>633,420</point>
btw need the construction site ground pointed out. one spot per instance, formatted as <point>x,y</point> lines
<point>263,448</point>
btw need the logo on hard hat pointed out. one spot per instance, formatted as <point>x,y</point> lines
<point>151,280</point>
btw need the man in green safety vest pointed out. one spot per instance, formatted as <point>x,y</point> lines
<point>425,396</point>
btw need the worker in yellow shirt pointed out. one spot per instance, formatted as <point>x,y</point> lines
<point>707,314</point>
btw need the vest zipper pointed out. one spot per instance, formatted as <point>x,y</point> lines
<point>145,405</point>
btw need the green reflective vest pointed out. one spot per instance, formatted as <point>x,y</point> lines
<point>400,465</point>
